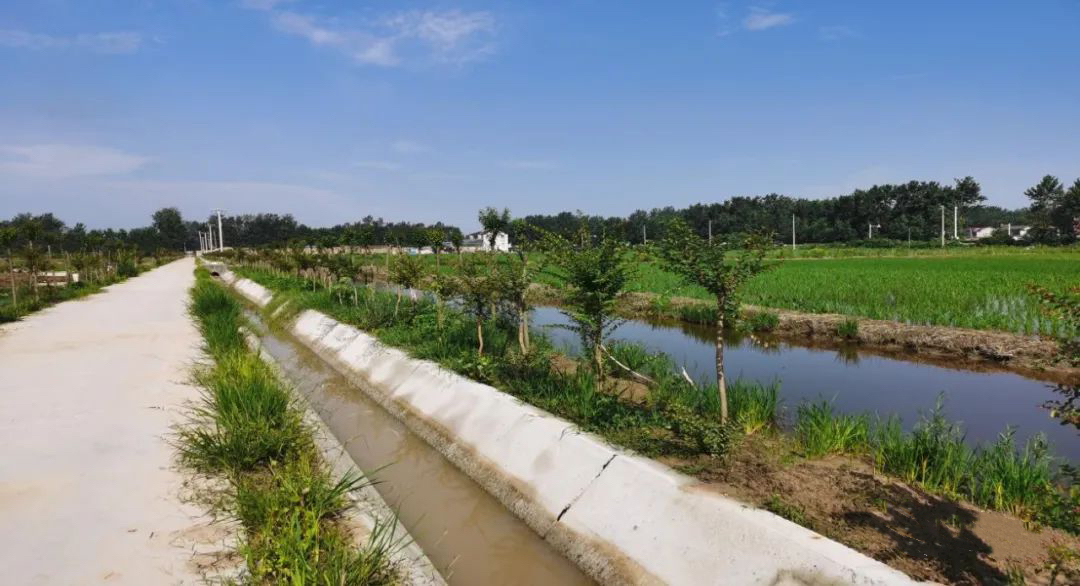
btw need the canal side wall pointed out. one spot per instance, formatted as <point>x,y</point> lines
<point>622,518</point>
<point>368,512</point>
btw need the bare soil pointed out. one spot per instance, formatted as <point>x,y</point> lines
<point>924,535</point>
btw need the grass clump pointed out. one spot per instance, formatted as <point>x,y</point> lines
<point>848,329</point>
<point>249,430</point>
<point>821,431</point>
<point>934,455</point>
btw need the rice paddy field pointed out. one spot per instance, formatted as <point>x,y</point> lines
<point>982,288</point>
<point>968,291</point>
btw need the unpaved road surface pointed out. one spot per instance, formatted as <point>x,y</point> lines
<point>88,391</point>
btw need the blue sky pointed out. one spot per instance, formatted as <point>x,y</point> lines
<point>332,110</point>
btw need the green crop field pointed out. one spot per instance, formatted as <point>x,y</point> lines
<point>982,292</point>
<point>980,288</point>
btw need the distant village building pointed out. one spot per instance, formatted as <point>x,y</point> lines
<point>481,242</point>
<point>1017,232</point>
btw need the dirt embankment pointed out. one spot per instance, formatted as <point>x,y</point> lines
<point>977,349</point>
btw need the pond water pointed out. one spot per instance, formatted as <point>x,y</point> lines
<point>856,381</point>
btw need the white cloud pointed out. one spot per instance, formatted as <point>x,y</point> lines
<point>58,161</point>
<point>111,43</point>
<point>533,165</point>
<point>761,19</point>
<point>837,33</point>
<point>264,4</point>
<point>409,147</point>
<point>450,36</point>
<point>378,165</point>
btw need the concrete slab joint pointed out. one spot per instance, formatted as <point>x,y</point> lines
<point>622,518</point>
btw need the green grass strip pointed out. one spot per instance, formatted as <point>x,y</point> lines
<point>248,429</point>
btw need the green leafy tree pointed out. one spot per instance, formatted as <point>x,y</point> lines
<point>434,237</point>
<point>721,269</point>
<point>596,271</point>
<point>1067,214</point>
<point>457,240</point>
<point>1064,306</point>
<point>478,286</point>
<point>1046,197</point>
<point>494,222</point>
<point>170,228</point>
<point>407,271</point>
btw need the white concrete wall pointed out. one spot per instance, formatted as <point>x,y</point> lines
<point>622,518</point>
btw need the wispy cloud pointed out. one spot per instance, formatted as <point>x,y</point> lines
<point>415,36</point>
<point>533,165</point>
<point>114,43</point>
<point>58,161</point>
<point>837,33</point>
<point>409,147</point>
<point>378,165</point>
<point>760,19</point>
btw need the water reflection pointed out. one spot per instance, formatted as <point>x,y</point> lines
<point>985,402</point>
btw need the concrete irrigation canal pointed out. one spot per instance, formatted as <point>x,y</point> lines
<point>489,490</point>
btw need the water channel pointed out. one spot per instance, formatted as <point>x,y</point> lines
<point>856,381</point>
<point>469,536</point>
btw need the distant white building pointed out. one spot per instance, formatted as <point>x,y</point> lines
<point>1016,232</point>
<point>481,242</point>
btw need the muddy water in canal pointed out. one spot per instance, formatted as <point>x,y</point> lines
<point>469,536</point>
<point>856,381</point>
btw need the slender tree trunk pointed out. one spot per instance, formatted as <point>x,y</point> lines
<point>721,383</point>
<point>398,304</point>
<point>11,274</point>
<point>480,336</point>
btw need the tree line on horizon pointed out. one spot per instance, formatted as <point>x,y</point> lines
<point>896,212</point>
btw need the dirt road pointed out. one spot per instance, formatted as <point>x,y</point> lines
<point>88,392</point>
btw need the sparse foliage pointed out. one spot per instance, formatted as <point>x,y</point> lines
<point>719,267</point>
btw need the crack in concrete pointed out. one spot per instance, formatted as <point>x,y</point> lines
<point>571,503</point>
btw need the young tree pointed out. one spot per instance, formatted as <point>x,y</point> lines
<point>8,235</point>
<point>494,222</point>
<point>457,240</point>
<point>596,271</point>
<point>721,269</point>
<point>406,271</point>
<point>31,230</point>
<point>434,237</point>
<point>479,289</point>
<point>515,274</point>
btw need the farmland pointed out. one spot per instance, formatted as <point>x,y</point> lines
<point>979,292</point>
<point>982,288</point>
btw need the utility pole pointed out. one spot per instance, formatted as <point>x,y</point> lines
<point>943,226</point>
<point>220,233</point>
<point>210,236</point>
<point>955,221</point>
<point>644,236</point>
<point>792,232</point>
<point>710,231</point>
<point>202,243</point>
<point>869,230</point>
